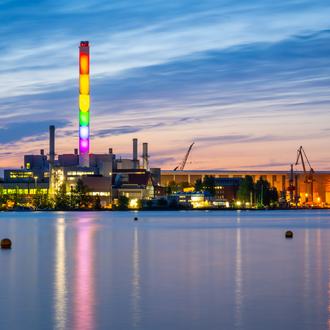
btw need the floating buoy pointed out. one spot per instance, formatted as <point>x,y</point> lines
<point>136,219</point>
<point>6,243</point>
<point>288,234</point>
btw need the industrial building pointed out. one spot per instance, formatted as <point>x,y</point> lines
<point>109,177</point>
<point>103,174</point>
<point>320,194</point>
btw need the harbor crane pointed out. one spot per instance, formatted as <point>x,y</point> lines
<point>309,175</point>
<point>181,166</point>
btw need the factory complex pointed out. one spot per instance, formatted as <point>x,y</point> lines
<point>109,178</point>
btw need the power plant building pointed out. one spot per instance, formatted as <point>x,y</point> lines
<point>110,177</point>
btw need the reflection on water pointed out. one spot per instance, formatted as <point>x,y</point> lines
<point>238,280</point>
<point>136,312</point>
<point>238,277</point>
<point>329,293</point>
<point>60,277</point>
<point>307,274</point>
<point>84,286</point>
<point>172,270</point>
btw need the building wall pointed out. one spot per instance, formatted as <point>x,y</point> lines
<point>277,179</point>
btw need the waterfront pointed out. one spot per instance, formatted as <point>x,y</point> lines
<point>168,270</point>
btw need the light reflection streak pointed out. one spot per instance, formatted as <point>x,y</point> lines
<point>238,281</point>
<point>136,287</point>
<point>60,277</point>
<point>328,293</point>
<point>318,271</point>
<point>306,268</point>
<point>84,291</point>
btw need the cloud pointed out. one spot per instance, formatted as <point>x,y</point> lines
<point>171,72</point>
<point>22,130</point>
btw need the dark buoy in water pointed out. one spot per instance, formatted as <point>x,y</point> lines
<point>6,243</point>
<point>136,219</point>
<point>288,234</point>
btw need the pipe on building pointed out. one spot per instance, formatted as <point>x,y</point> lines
<point>51,144</point>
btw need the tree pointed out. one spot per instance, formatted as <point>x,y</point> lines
<point>265,194</point>
<point>41,200</point>
<point>199,185</point>
<point>246,190</point>
<point>3,198</point>
<point>79,196</point>
<point>97,203</point>
<point>273,196</point>
<point>172,187</point>
<point>209,184</point>
<point>123,202</point>
<point>62,201</point>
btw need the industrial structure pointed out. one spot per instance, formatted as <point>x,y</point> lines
<point>105,176</point>
<point>281,180</point>
<point>110,177</point>
<point>84,104</point>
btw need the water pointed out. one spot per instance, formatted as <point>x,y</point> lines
<point>169,270</point>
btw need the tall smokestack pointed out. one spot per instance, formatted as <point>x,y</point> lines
<point>135,153</point>
<point>84,104</point>
<point>51,144</point>
<point>145,156</point>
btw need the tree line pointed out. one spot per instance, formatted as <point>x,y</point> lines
<point>259,193</point>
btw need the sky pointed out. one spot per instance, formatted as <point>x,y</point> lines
<point>247,81</point>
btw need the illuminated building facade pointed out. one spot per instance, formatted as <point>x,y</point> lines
<point>277,179</point>
<point>84,104</point>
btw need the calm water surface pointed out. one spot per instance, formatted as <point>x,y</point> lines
<point>169,270</point>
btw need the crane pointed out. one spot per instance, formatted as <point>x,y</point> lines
<point>309,175</point>
<point>184,161</point>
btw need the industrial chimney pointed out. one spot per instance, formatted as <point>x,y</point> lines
<point>84,104</point>
<point>145,156</point>
<point>51,144</point>
<point>135,153</point>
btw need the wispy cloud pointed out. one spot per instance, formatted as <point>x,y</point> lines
<point>170,72</point>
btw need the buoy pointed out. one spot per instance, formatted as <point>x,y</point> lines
<point>288,234</point>
<point>6,243</point>
<point>136,219</point>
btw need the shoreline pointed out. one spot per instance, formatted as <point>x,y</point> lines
<point>174,210</point>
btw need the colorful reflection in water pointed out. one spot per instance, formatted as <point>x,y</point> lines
<point>171,270</point>
<point>84,277</point>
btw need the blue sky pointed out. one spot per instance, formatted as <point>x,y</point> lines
<point>248,81</point>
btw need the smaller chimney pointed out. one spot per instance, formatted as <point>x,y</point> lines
<point>76,151</point>
<point>135,153</point>
<point>51,144</point>
<point>42,152</point>
<point>145,156</point>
